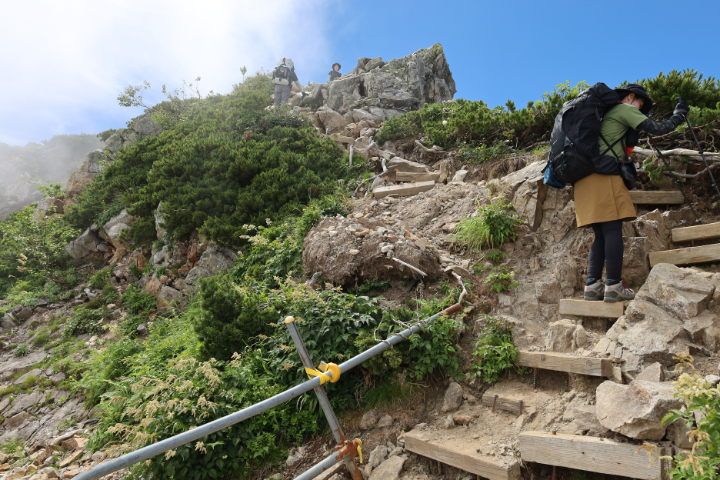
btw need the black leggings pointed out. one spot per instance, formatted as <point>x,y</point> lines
<point>607,248</point>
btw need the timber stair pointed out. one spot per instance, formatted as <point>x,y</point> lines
<point>591,454</point>
<point>690,255</point>
<point>583,308</point>
<point>562,362</point>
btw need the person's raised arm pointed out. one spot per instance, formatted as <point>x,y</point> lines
<point>666,126</point>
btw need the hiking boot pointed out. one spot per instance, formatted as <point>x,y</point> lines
<point>618,292</point>
<point>595,291</point>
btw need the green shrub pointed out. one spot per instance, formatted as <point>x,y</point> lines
<point>230,316</point>
<point>135,300</point>
<point>84,321</point>
<point>495,349</point>
<point>701,416</point>
<point>100,278</point>
<point>492,227</point>
<point>22,350</point>
<point>501,279</point>
<point>42,337</point>
<point>494,255</point>
<point>371,285</point>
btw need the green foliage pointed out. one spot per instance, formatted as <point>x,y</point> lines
<point>501,279</point>
<point>42,337</point>
<point>494,255</point>
<point>84,321</point>
<point>135,300</point>
<point>492,227</point>
<point>400,126</point>
<point>688,84</point>
<point>22,350</point>
<point>370,286</point>
<point>31,249</point>
<point>230,316</point>
<point>702,418</point>
<point>228,163</point>
<point>495,349</point>
<point>13,445</point>
<point>52,190</point>
<point>100,278</point>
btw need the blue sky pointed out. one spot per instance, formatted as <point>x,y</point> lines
<point>64,63</point>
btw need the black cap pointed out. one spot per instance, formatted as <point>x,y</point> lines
<point>639,91</point>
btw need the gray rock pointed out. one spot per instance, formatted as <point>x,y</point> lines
<point>373,64</point>
<point>25,401</point>
<point>7,322</point>
<point>385,421</point>
<point>390,469</point>
<point>114,143</point>
<point>145,126</point>
<point>160,220</point>
<point>48,206</point>
<point>331,120</point>
<point>446,422</point>
<point>680,291</point>
<point>459,176</point>
<point>644,404</point>
<point>216,259</point>
<point>378,455</point>
<point>58,377</point>
<point>712,379</point>
<point>168,297</point>
<point>195,274</point>
<point>36,372</point>
<point>653,373</point>
<point>453,398</point>
<point>547,291</point>
<point>677,433</point>
<point>114,227</point>
<point>560,336</point>
<point>161,256</point>
<point>24,313</point>
<point>11,367</point>
<point>370,419</point>
<point>83,246</point>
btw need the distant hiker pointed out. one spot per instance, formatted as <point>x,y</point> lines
<point>284,78</point>
<point>335,72</point>
<point>602,199</point>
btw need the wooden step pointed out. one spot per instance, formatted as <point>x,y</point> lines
<point>591,454</point>
<point>462,455</point>
<point>698,232</point>
<point>658,197</point>
<point>562,362</point>
<point>416,176</point>
<point>403,190</point>
<point>517,407</point>
<point>591,309</point>
<point>684,256</point>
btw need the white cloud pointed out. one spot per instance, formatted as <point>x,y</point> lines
<point>63,63</point>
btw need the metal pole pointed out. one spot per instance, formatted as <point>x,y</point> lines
<point>347,452</point>
<point>322,397</point>
<point>195,434</point>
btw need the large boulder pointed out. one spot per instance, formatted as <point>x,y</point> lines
<point>48,206</point>
<point>92,166</point>
<point>399,86</point>
<point>644,404</point>
<point>453,398</point>
<point>331,120</point>
<point>84,246</point>
<point>168,297</point>
<point>114,227</point>
<point>214,260</point>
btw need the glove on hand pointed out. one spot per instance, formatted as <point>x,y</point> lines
<point>681,108</point>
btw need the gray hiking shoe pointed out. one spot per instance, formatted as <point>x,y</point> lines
<point>618,292</point>
<point>595,292</point>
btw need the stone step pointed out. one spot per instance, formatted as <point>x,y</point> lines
<point>591,454</point>
<point>685,256</point>
<point>698,232</point>
<point>403,190</point>
<point>417,176</point>
<point>658,197</point>
<point>462,455</point>
<point>561,362</point>
<point>591,309</point>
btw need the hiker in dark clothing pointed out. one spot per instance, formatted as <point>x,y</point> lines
<point>284,78</point>
<point>335,72</point>
<point>603,201</point>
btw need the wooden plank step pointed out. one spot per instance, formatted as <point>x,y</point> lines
<point>591,454</point>
<point>562,362</point>
<point>416,176</point>
<point>658,197</point>
<point>684,256</point>
<point>517,407</point>
<point>698,232</point>
<point>462,455</point>
<point>403,190</point>
<point>591,309</point>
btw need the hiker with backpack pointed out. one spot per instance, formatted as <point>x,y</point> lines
<point>335,72</point>
<point>592,137</point>
<point>283,76</point>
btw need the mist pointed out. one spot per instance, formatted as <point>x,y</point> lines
<point>24,168</point>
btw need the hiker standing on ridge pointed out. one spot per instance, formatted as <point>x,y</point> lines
<point>284,78</point>
<point>603,200</point>
<point>335,72</point>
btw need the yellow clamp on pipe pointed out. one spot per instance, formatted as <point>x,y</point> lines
<point>324,367</point>
<point>359,442</point>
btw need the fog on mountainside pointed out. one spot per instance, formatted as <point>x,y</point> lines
<point>52,161</point>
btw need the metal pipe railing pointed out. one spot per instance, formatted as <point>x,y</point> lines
<point>179,440</point>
